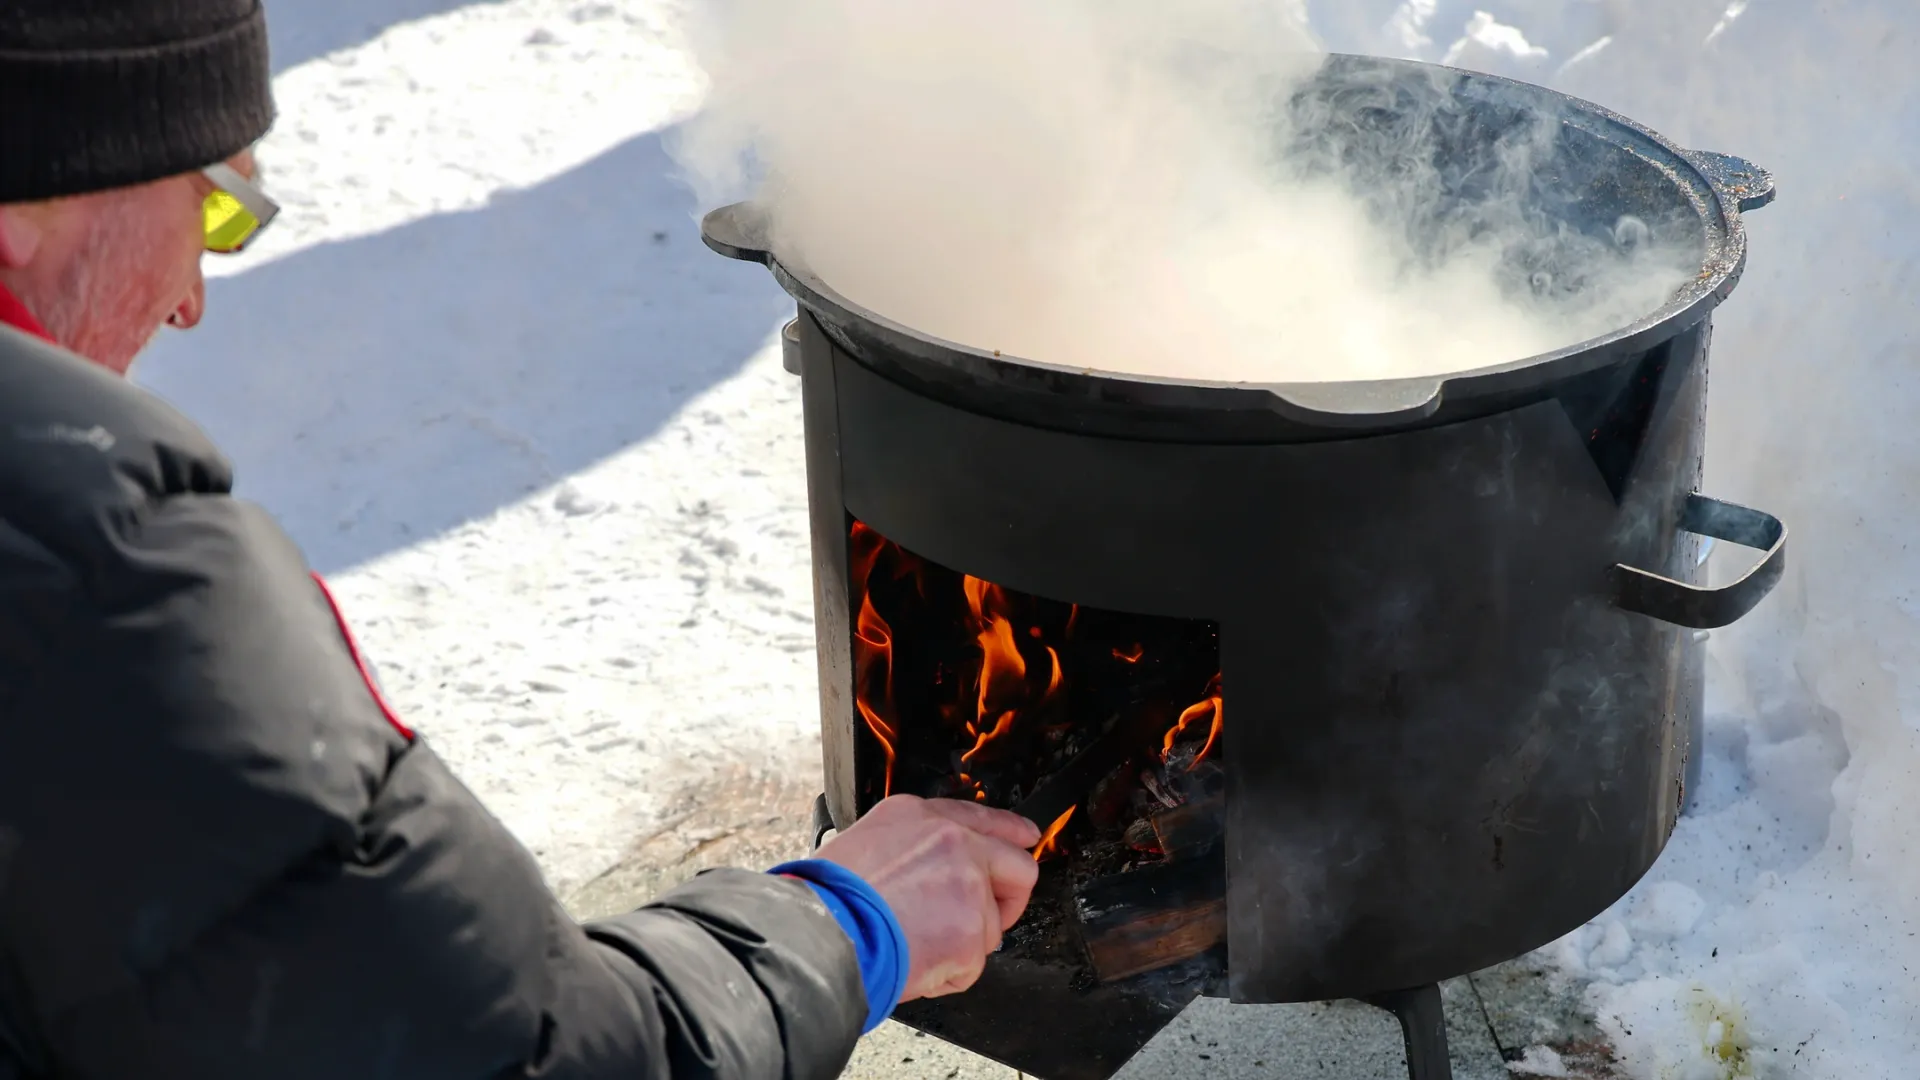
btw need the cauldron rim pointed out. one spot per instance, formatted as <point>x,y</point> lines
<point>1718,186</point>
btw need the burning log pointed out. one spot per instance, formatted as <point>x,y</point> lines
<point>1153,917</point>
<point>1141,837</point>
<point>1158,790</point>
<point>1191,829</point>
<point>1071,785</point>
<point>1165,912</point>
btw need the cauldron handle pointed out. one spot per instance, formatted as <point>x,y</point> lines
<point>1681,604</point>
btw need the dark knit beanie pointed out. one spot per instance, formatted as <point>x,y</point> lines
<point>98,94</point>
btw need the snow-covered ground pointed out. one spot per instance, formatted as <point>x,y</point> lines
<point>487,375</point>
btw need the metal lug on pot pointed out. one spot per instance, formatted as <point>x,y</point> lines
<point>738,231</point>
<point>790,347</point>
<point>1359,404</point>
<point>1701,635</point>
<point>1746,185</point>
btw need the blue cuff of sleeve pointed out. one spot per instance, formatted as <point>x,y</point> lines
<point>877,938</point>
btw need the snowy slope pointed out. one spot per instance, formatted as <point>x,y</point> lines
<point>491,381</point>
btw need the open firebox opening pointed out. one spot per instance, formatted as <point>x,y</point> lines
<point>1105,727</point>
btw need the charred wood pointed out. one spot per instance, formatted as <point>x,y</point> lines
<point>1191,829</point>
<point>1070,786</point>
<point>1154,916</point>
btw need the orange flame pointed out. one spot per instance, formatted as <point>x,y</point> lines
<point>873,649</point>
<point>1000,727</point>
<point>1049,840</point>
<point>871,663</point>
<point>1210,705</point>
<point>1003,671</point>
<point>1004,695</point>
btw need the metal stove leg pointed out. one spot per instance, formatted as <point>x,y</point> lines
<point>822,820</point>
<point>1423,1022</point>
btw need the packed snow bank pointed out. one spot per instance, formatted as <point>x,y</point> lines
<point>1777,935</point>
<point>1539,1061</point>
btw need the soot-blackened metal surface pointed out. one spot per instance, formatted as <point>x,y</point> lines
<point>1446,746</point>
<point>1045,1022</point>
<point>833,616</point>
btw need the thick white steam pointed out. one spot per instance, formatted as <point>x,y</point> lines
<point>1096,183</point>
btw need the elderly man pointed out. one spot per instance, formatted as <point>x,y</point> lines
<point>222,854</point>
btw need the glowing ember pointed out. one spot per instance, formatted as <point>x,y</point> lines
<point>1131,655</point>
<point>1049,840</point>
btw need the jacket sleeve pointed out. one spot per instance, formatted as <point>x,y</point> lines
<point>218,858</point>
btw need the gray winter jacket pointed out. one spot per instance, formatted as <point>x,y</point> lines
<point>220,857</point>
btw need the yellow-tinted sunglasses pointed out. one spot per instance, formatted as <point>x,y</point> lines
<point>235,211</point>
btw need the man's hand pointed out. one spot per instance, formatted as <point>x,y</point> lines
<point>956,874</point>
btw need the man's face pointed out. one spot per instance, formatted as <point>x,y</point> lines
<point>105,271</point>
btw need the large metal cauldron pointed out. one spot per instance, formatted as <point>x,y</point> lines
<point>1458,614</point>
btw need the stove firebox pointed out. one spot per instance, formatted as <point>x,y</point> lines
<point>968,690</point>
<point>1329,691</point>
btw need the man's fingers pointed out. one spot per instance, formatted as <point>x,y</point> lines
<point>956,980</point>
<point>944,989</point>
<point>1011,875</point>
<point>986,900</point>
<point>948,979</point>
<point>1010,910</point>
<point>985,820</point>
<point>958,880</point>
<point>990,929</point>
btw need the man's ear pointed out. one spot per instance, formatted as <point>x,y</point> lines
<point>19,237</point>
